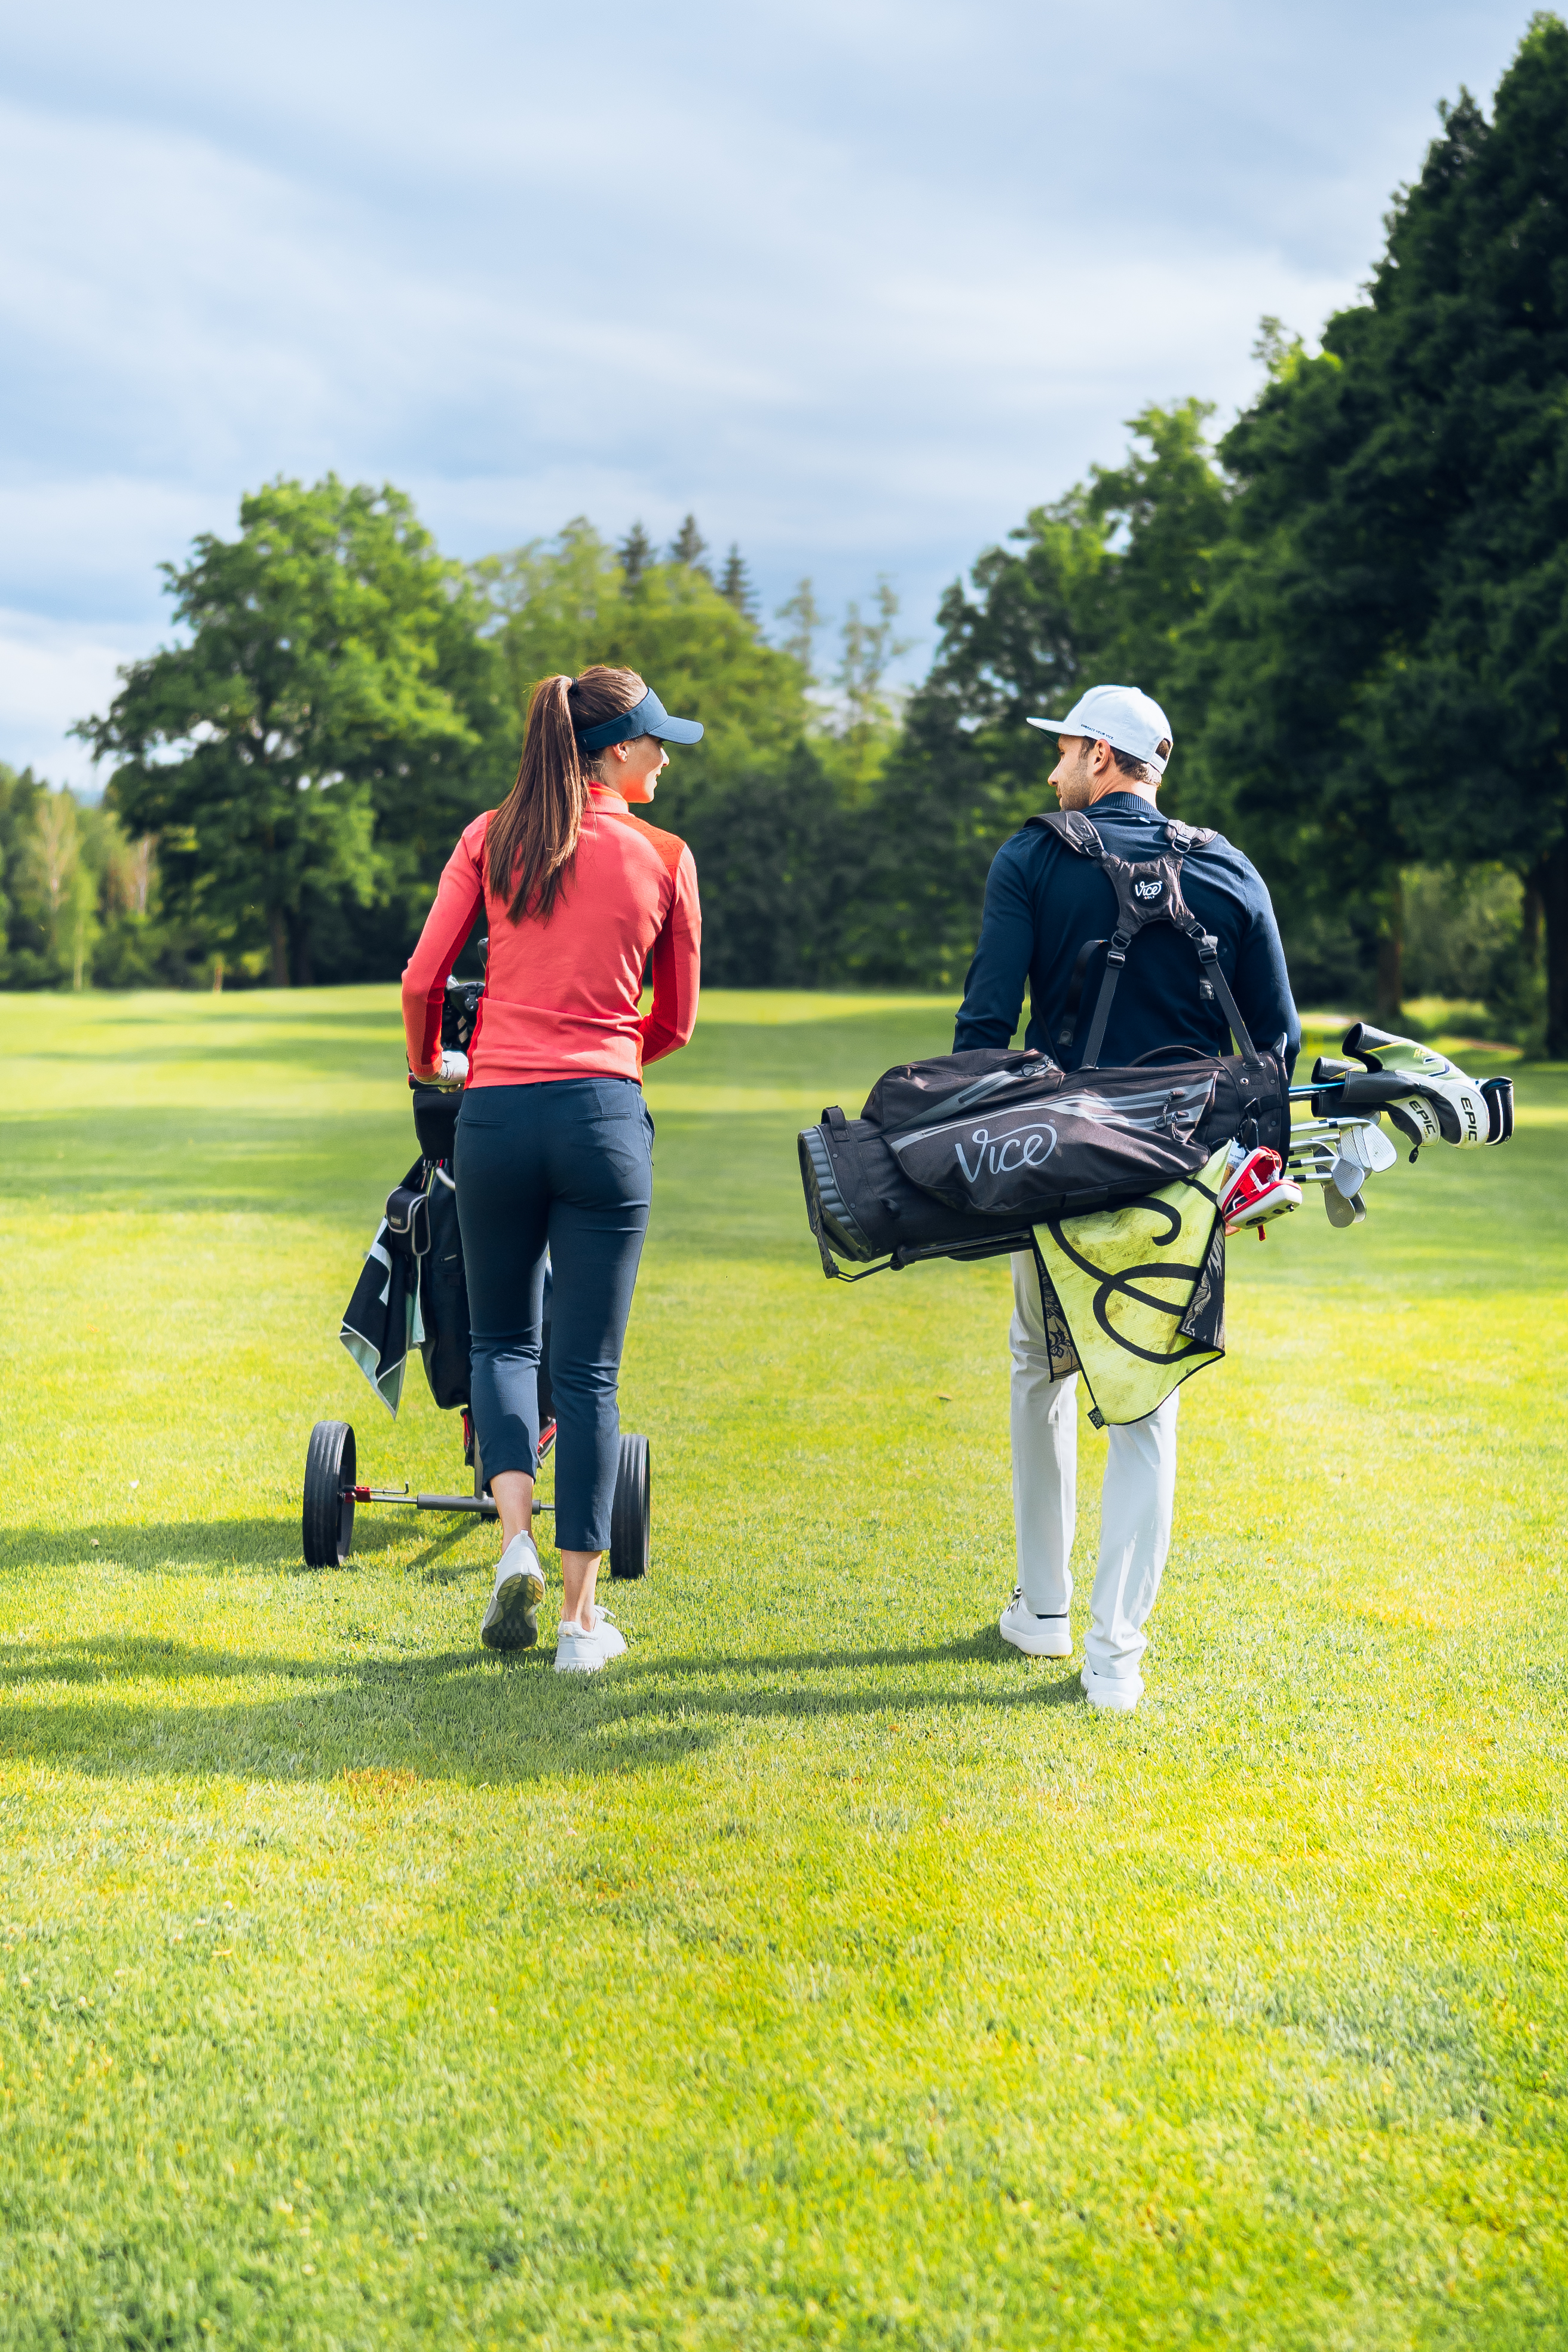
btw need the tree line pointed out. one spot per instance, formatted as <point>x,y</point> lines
<point>1354,607</point>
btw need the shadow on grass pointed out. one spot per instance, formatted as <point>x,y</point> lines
<point>988,1643</point>
<point>461,1715</point>
<point>431,1562</point>
<point>209,1545</point>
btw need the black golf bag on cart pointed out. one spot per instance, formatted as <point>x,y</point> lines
<point>413,1294</point>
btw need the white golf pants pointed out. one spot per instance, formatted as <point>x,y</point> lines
<point>1136,1501</point>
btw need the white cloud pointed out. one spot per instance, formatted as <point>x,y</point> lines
<point>52,673</point>
<point>859,281</point>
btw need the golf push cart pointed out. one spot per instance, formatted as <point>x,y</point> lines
<point>413,1294</point>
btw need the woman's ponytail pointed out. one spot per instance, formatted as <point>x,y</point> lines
<point>532,836</point>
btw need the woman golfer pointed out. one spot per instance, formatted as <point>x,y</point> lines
<point>554,1141</point>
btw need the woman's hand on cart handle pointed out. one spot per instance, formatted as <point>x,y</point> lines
<point>451,1070</point>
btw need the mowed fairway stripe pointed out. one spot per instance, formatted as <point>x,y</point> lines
<point>822,1973</point>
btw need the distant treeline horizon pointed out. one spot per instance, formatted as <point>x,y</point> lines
<point>1353,607</point>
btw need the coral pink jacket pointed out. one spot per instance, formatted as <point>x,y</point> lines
<point>562,998</point>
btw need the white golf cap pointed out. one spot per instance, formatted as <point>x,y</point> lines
<point>1118,715</point>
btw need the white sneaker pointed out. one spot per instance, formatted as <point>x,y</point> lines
<point>1118,1693</point>
<point>577,1653</point>
<point>1037,1637</point>
<point>511,1622</point>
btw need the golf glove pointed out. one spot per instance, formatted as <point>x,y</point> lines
<point>451,1071</point>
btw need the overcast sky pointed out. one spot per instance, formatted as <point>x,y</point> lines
<point>857,282</point>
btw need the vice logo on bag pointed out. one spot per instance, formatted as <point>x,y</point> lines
<point>1030,1147</point>
<point>1147,890</point>
<point>1093,1134</point>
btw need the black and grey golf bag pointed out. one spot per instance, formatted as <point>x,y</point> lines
<point>962,1156</point>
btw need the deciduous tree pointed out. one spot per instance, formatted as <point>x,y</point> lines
<point>1098,584</point>
<point>307,725</point>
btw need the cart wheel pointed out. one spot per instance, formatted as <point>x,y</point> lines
<point>329,1514</point>
<point>630,1513</point>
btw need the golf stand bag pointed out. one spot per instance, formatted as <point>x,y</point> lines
<point>1123,1183</point>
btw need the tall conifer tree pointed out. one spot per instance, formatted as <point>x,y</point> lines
<point>636,552</point>
<point>1388,644</point>
<point>735,585</point>
<point>689,546</point>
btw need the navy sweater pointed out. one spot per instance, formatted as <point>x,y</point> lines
<point>1043,901</point>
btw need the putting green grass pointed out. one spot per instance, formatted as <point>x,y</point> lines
<point>822,1973</point>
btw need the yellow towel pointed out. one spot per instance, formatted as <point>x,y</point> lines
<point>1141,1291</point>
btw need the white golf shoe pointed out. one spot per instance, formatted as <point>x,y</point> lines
<point>1037,1637</point>
<point>512,1621</point>
<point>577,1653</point>
<point>1118,1693</point>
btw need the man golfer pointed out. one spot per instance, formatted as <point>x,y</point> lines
<point>1044,905</point>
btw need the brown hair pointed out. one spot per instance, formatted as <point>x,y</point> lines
<point>1136,770</point>
<point>532,836</point>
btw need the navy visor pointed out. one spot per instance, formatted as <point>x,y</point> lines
<point>648,716</point>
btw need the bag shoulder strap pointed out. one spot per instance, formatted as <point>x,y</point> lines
<point>1072,826</point>
<point>1212,982</point>
<point>1149,891</point>
<point>1080,833</point>
<point>1076,830</point>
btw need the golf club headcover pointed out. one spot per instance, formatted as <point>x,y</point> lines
<point>1256,1191</point>
<point>1498,1096</point>
<point>460,1013</point>
<point>1427,1097</point>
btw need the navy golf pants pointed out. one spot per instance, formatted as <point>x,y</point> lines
<point>566,1166</point>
